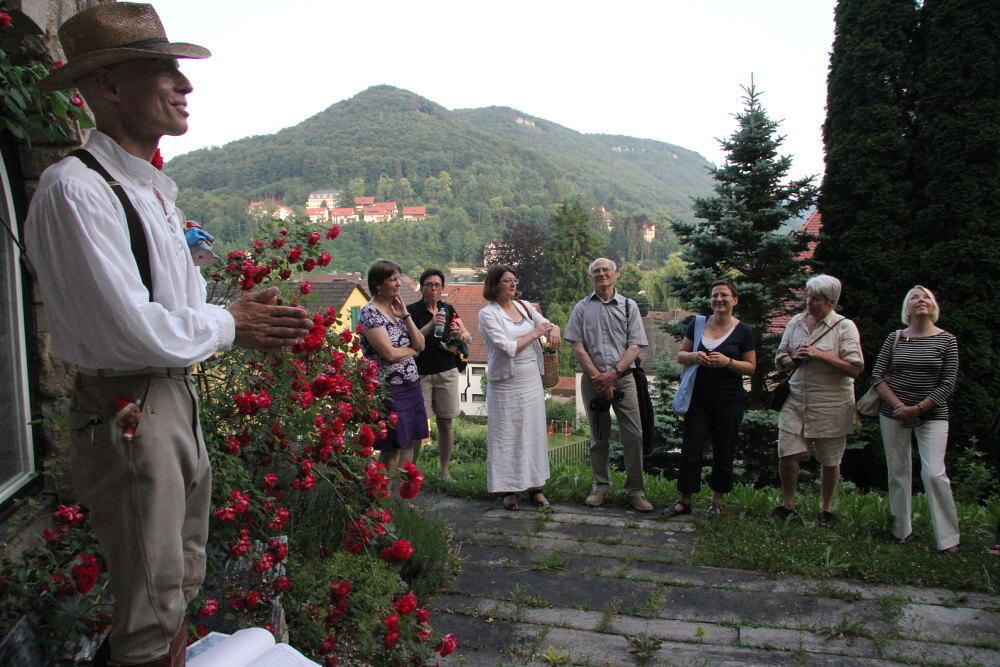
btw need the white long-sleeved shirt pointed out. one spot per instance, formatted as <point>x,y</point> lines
<point>98,311</point>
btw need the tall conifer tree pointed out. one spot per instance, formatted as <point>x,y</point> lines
<point>741,236</point>
<point>956,229</point>
<point>572,246</point>
<point>867,197</point>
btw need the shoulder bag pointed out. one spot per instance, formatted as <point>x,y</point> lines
<point>777,383</point>
<point>682,398</point>
<point>550,358</point>
<point>868,405</point>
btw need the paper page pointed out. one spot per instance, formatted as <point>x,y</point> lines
<point>237,650</point>
<point>281,655</point>
<point>203,644</point>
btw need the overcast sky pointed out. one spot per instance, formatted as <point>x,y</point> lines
<point>661,69</point>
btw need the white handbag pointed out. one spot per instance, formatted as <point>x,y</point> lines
<point>868,404</point>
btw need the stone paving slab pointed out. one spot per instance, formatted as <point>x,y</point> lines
<point>763,608</point>
<point>961,625</point>
<point>620,552</point>
<point>910,651</point>
<point>560,589</point>
<point>637,521</point>
<point>623,584</point>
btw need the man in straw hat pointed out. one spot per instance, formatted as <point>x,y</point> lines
<point>126,305</point>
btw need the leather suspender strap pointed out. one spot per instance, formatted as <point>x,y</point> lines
<point>137,235</point>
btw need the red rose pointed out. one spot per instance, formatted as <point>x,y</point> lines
<point>407,604</point>
<point>294,254</point>
<point>333,232</point>
<point>264,563</point>
<point>85,573</point>
<point>309,264</point>
<point>263,400</point>
<point>210,606</point>
<point>201,630</point>
<point>285,274</point>
<point>305,287</point>
<point>391,638</point>
<point>400,551</point>
<point>423,635</point>
<point>270,480</point>
<point>69,514</point>
<point>324,258</point>
<point>331,661</point>
<point>5,20</point>
<point>409,490</point>
<point>328,644</point>
<point>392,621</point>
<point>447,645</point>
<point>53,535</point>
<point>282,583</point>
<point>312,238</point>
<point>253,598</point>
<point>423,616</point>
<point>393,419</point>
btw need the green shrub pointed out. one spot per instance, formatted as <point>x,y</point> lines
<point>432,564</point>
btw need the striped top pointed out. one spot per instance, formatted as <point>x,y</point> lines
<point>924,367</point>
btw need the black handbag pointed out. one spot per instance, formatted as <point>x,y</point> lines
<point>776,384</point>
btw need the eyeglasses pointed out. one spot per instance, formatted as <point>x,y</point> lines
<point>508,281</point>
<point>598,272</point>
<point>433,286</point>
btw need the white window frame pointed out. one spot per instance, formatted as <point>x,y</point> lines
<point>20,431</point>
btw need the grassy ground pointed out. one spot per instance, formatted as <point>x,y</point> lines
<point>744,538</point>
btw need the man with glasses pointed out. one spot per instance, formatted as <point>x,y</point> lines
<point>438,366</point>
<point>606,331</point>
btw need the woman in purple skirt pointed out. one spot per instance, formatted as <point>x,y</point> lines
<point>391,340</point>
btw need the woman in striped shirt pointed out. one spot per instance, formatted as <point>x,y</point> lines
<point>915,380</point>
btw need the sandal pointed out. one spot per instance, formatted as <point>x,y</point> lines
<point>510,502</point>
<point>535,495</point>
<point>678,508</point>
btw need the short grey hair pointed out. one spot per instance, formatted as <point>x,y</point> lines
<point>905,314</point>
<point>590,269</point>
<point>825,286</point>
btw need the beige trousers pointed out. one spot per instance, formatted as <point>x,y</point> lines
<point>932,441</point>
<point>149,500</point>
<point>629,428</point>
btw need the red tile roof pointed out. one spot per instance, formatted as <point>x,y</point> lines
<point>341,212</point>
<point>812,225</point>
<point>565,387</point>
<point>414,210</point>
<point>316,211</point>
<point>361,201</point>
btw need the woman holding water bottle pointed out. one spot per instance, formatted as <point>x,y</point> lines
<point>437,366</point>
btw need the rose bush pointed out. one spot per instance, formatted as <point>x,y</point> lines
<point>290,438</point>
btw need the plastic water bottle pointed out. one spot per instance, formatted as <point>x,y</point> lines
<point>439,330</point>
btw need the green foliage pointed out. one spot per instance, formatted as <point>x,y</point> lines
<point>480,162</point>
<point>25,111</point>
<point>972,478</point>
<point>572,245</point>
<point>433,564</point>
<point>912,175</point>
<point>742,235</point>
<point>563,412</point>
<point>858,547</point>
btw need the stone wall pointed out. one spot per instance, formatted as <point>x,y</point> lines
<point>33,36</point>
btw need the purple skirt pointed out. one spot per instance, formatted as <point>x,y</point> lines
<point>407,401</point>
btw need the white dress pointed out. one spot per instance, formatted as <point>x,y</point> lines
<point>517,456</point>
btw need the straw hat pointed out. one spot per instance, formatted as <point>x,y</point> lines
<point>111,33</point>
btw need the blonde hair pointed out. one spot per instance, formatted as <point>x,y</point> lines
<point>905,312</point>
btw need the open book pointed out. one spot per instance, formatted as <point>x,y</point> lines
<point>249,647</point>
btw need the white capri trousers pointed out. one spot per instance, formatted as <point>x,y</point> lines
<point>932,439</point>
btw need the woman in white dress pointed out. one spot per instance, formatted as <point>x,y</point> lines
<point>517,457</point>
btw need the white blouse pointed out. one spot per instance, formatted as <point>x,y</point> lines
<point>501,341</point>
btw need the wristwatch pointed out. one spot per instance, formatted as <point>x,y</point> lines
<point>406,317</point>
<point>730,364</point>
<point>618,371</point>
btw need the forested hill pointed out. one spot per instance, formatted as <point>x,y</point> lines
<point>498,159</point>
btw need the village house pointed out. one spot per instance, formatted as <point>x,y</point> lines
<point>414,213</point>
<point>323,199</point>
<point>318,214</point>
